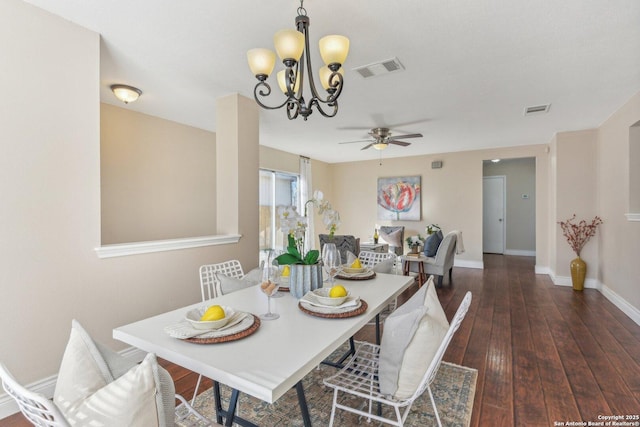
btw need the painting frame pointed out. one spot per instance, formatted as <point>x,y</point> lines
<point>399,198</point>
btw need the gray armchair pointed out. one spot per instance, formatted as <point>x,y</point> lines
<point>343,243</point>
<point>441,263</point>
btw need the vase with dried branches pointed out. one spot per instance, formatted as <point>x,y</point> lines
<point>577,235</point>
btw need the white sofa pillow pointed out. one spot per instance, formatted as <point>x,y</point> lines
<point>87,394</point>
<point>425,343</point>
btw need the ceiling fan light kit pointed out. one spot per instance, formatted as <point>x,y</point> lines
<point>382,137</point>
<point>292,47</point>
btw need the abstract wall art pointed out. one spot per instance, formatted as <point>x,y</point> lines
<point>399,198</point>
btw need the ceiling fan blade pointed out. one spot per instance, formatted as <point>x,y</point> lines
<point>402,143</point>
<point>411,135</point>
<point>351,142</point>
<point>366,146</point>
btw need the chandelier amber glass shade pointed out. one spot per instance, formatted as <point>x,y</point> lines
<point>334,49</point>
<point>289,44</point>
<point>261,61</point>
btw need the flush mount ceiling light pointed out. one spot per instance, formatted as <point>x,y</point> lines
<point>126,93</point>
<point>495,160</point>
<point>291,45</point>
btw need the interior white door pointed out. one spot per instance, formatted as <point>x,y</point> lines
<point>493,214</point>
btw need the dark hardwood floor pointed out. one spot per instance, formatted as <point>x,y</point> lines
<point>545,355</point>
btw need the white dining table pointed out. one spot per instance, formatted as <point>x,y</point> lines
<point>269,362</point>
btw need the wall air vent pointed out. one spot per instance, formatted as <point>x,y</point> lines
<point>537,109</point>
<point>378,68</point>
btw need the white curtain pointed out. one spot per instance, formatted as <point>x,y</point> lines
<point>306,192</point>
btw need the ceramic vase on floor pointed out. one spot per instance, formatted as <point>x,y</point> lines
<point>578,273</point>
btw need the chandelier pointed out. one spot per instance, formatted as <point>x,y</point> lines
<point>291,45</point>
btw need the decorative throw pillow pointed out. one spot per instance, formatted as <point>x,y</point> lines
<point>232,284</point>
<point>87,393</point>
<point>385,266</point>
<point>393,238</point>
<point>432,243</point>
<point>399,329</point>
<point>421,350</point>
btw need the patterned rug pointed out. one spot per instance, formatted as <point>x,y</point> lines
<point>453,389</point>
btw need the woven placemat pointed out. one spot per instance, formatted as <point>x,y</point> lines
<point>233,337</point>
<point>355,277</point>
<point>358,311</point>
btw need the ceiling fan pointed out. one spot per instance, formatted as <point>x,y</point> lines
<point>382,137</point>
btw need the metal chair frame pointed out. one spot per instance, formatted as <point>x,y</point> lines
<point>209,283</point>
<point>360,378</point>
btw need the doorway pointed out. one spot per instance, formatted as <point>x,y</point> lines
<point>493,214</point>
<point>509,221</point>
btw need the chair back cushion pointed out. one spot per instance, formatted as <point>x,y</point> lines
<point>230,284</point>
<point>432,243</point>
<point>399,330</point>
<point>426,341</point>
<point>86,389</point>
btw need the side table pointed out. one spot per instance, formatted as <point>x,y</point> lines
<point>406,267</point>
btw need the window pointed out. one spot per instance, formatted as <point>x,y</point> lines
<point>276,189</point>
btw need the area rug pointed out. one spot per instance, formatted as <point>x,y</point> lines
<point>453,389</point>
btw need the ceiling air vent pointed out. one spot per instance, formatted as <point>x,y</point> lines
<point>378,68</point>
<point>536,109</point>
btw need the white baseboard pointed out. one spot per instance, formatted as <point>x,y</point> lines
<point>617,300</point>
<point>468,263</point>
<point>621,303</point>
<point>46,386</point>
<point>519,252</point>
<point>541,269</point>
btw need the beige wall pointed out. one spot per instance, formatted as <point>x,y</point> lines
<point>451,196</point>
<point>50,184</point>
<point>277,160</point>
<point>520,212</point>
<point>618,238</point>
<point>158,178</point>
<point>575,190</point>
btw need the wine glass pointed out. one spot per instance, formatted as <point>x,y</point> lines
<point>269,286</point>
<point>271,259</point>
<point>331,260</point>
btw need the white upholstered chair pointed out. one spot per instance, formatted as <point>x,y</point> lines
<point>360,377</point>
<point>441,263</point>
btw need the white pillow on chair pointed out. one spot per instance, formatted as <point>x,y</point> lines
<point>425,343</point>
<point>88,394</point>
<point>399,330</point>
<point>393,239</point>
<point>231,284</point>
<point>385,266</point>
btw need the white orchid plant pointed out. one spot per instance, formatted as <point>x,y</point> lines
<point>295,227</point>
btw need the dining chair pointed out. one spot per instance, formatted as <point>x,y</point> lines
<point>44,412</point>
<point>344,243</point>
<point>372,259</point>
<point>360,377</point>
<point>209,282</point>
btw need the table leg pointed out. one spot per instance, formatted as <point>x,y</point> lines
<point>421,275</point>
<point>303,404</point>
<point>230,413</point>
<point>217,401</point>
<point>378,329</point>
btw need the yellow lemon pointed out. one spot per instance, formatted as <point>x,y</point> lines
<point>337,291</point>
<point>356,264</point>
<point>286,271</point>
<point>215,312</point>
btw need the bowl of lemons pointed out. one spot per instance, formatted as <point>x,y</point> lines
<point>332,296</point>
<point>354,268</point>
<point>212,317</point>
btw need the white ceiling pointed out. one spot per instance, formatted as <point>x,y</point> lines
<point>472,66</point>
